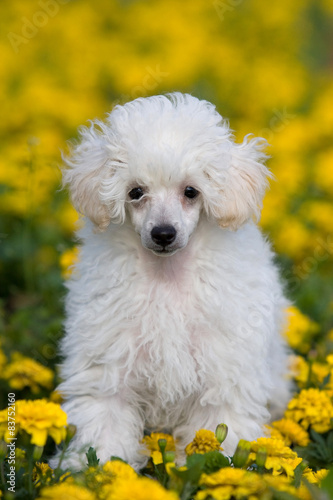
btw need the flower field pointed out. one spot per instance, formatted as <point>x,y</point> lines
<point>268,67</point>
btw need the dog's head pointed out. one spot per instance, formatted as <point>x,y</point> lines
<point>161,161</point>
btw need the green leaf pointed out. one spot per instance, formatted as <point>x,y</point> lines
<point>315,492</point>
<point>214,461</point>
<point>318,438</point>
<point>319,453</point>
<point>325,381</point>
<point>327,484</point>
<point>161,474</point>
<point>114,458</point>
<point>330,441</point>
<point>195,459</point>
<point>298,474</point>
<point>93,461</point>
<point>282,495</point>
<point>195,464</point>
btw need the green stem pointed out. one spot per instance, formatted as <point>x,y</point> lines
<point>2,472</point>
<point>57,471</point>
<point>31,466</point>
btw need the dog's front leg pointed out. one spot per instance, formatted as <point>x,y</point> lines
<point>241,425</point>
<point>109,424</point>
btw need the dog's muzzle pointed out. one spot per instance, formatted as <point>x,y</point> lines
<point>163,235</point>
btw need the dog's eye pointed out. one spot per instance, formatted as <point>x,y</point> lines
<point>191,192</point>
<point>136,193</point>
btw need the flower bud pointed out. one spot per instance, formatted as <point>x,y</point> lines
<point>221,432</point>
<point>162,445</point>
<point>71,431</point>
<point>37,453</point>
<point>261,457</point>
<point>242,453</point>
<point>169,456</point>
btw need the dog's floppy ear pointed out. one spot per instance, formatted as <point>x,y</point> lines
<point>239,184</point>
<point>89,166</point>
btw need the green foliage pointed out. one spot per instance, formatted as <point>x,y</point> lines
<point>319,453</point>
<point>214,461</point>
<point>92,459</point>
<point>327,484</point>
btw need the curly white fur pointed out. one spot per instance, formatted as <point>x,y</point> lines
<point>181,335</point>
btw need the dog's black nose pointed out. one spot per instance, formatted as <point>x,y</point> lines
<point>163,235</point>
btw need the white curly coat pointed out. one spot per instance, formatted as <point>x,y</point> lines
<point>182,335</point>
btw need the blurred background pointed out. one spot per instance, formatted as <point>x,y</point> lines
<point>267,67</point>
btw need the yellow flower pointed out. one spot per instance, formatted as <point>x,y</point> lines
<point>319,213</point>
<point>323,171</point>
<point>282,483</point>
<point>229,483</point>
<point>315,373</point>
<point>67,261</point>
<point>67,218</point>
<point>203,442</point>
<point>292,237</point>
<point>41,469</point>
<point>320,372</point>
<point>119,470</point>
<point>153,448</point>
<point>299,370</point>
<point>102,478</point>
<point>311,408</point>
<point>39,418</point>
<point>329,359</point>
<point>225,476</point>
<point>66,491</point>
<point>95,480</point>
<point>301,330</point>
<point>175,482</point>
<point>280,458</point>
<point>274,201</point>
<point>314,477</point>
<point>140,488</point>
<point>26,372</point>
<point>289,432</point>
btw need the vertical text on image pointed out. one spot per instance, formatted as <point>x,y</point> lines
<point>11,442</point>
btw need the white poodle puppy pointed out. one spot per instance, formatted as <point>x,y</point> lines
<point>175,309</point>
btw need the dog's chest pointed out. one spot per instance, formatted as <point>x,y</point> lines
<point>167,347</point>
